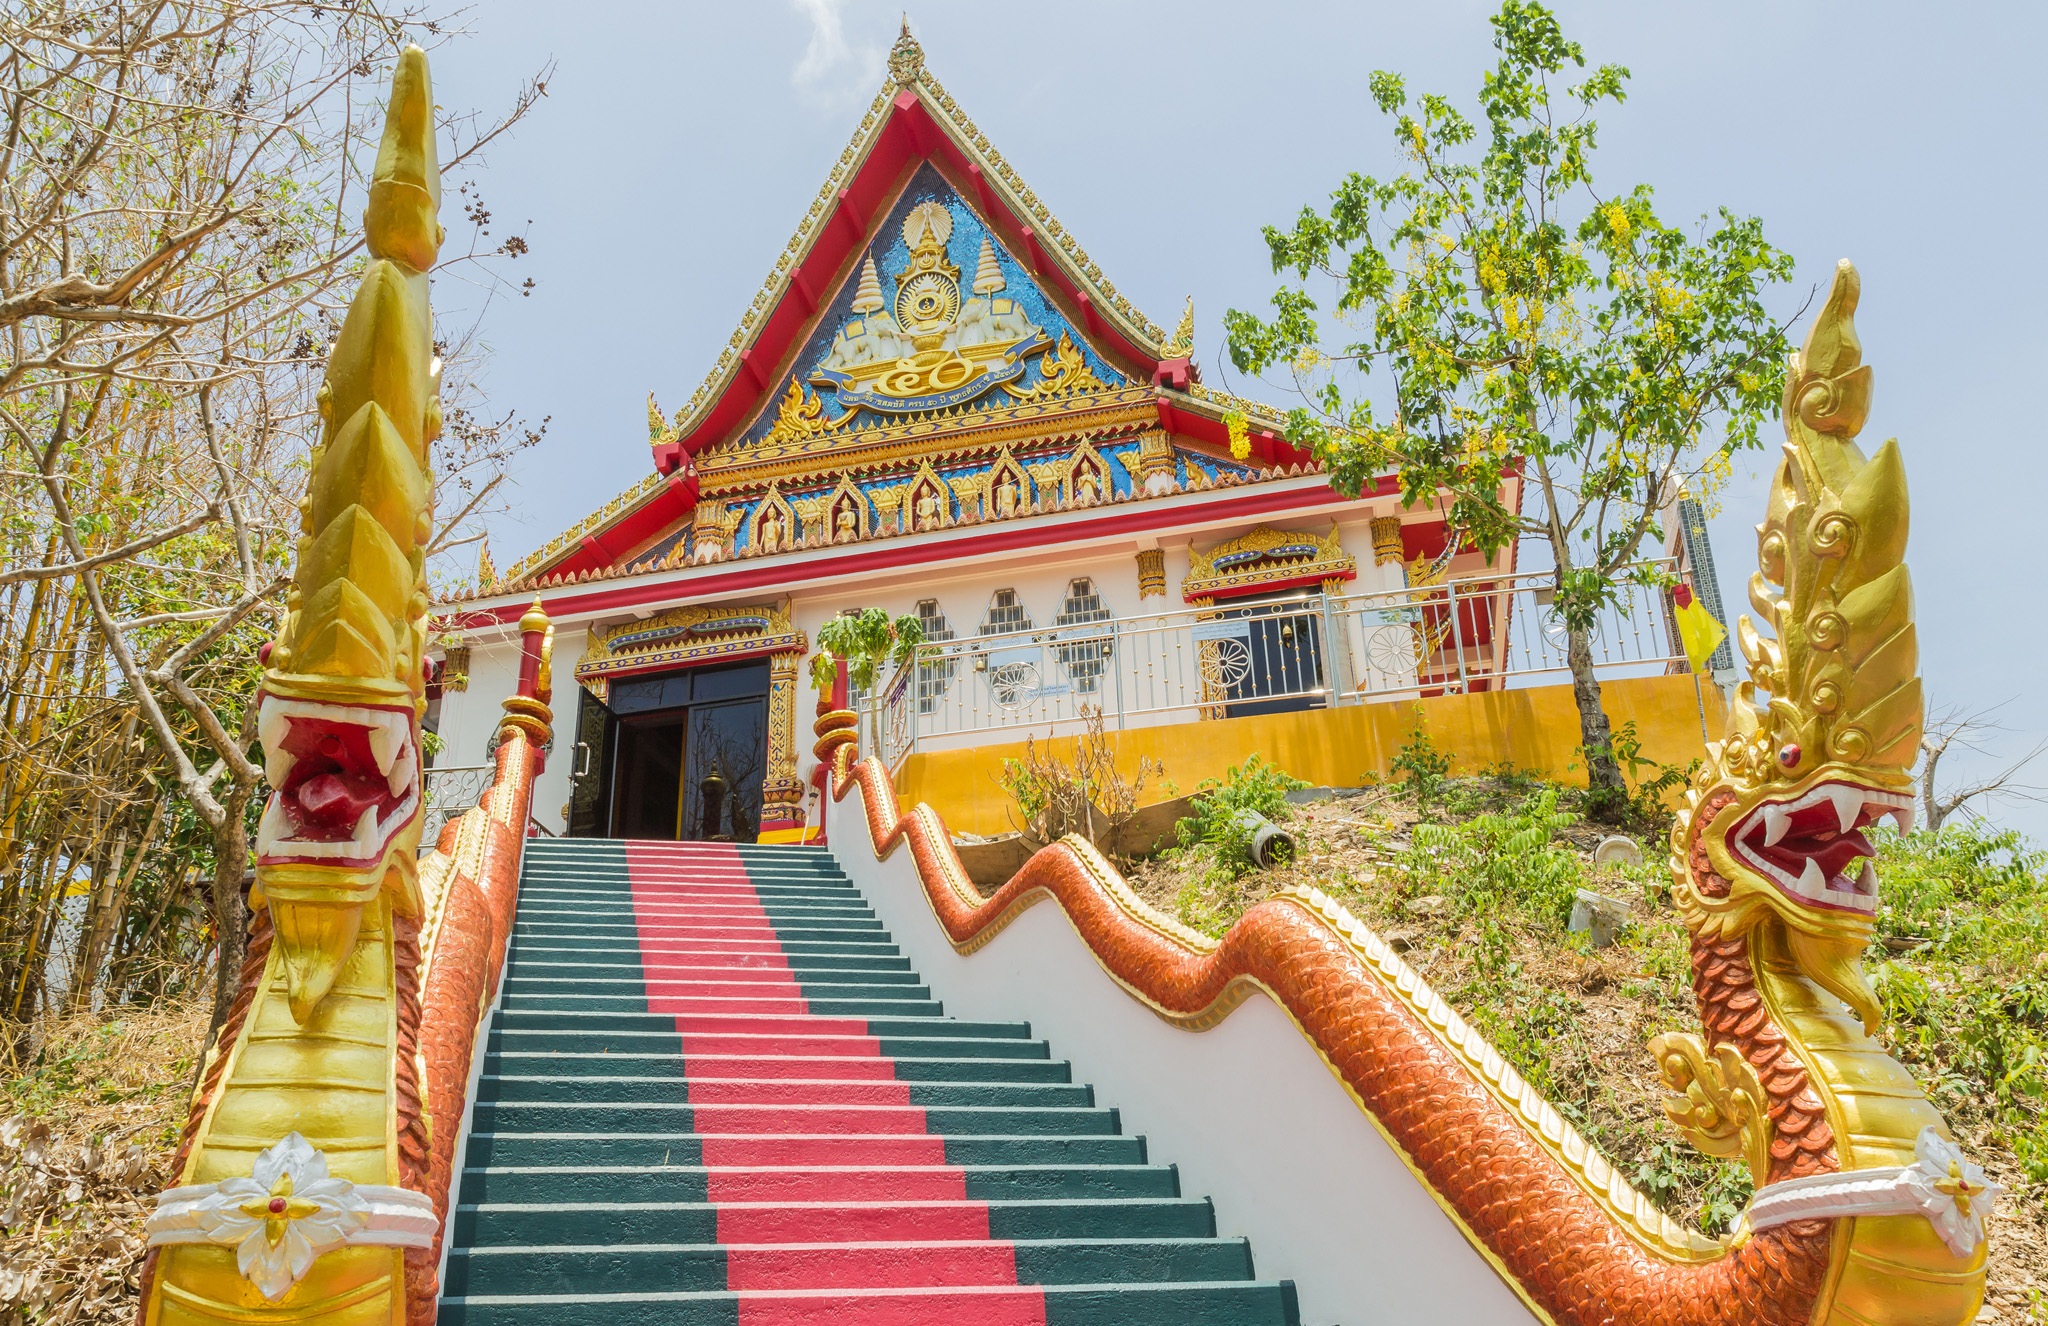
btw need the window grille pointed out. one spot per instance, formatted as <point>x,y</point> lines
<point>1012,681</point>
<point>933,678</point>
<point>1085,659</point>
<point>1005,613</point>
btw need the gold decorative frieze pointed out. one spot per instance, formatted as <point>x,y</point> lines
<point>1264,559</point>
<point>685,637</point>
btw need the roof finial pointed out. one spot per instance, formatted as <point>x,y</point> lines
<point>906,57</point>
<point>1182,343</point>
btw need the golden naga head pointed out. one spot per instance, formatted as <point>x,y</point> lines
<point>344,686</point>
<point>1822,739</point>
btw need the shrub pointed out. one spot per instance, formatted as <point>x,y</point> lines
<point>1217,826</point>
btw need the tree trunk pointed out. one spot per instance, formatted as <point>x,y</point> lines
<point>1608,793</point>
<point>230,908</point>
<point>99,922</point>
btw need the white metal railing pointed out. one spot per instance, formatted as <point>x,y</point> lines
<point>1479,633</point>
<point>450,791</point>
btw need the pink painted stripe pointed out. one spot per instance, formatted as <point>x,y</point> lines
<point>743,1091</point>
<point>1019,1306</point>
<point>760,1036</point>
<point>853,1223</point>
<point>712,1119</point>
<point>785,1149</point>
<point>869,1266</point>
<point>865,1183</point>
<point>796,1108</point>
<point>841,1068</point>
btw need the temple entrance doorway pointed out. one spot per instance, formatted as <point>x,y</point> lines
<point>675,756</point>
<point>1271,655</point>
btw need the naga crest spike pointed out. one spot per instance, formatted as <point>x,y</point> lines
<point>341,699</point>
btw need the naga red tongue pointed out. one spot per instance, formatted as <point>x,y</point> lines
<point>336,801</point>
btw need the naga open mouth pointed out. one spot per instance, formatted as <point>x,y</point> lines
<point>1814,848</point>
<point>346,780</point>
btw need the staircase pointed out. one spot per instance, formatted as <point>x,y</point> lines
<point>716,1093</point>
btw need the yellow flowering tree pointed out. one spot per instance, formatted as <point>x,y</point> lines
<point>1521,321</point>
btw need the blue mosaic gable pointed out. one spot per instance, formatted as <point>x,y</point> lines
<point>963,249</point>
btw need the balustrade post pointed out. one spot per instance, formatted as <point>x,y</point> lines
<point>1457,633</point>
<point>1116,667</point>
<point>1336,659</point>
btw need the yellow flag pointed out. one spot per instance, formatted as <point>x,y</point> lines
<point>1701,634</point>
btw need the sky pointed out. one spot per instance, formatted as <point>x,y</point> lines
<point>679,144</point>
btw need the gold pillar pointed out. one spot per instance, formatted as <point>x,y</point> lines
<point>709,531</point>
<point>1386,540</point>
<point>782,793</point>
<point>1152,573</point>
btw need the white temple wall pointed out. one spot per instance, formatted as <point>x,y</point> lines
<point>964,593</point>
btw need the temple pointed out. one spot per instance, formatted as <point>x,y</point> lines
<point>939,406</point>
<point>527,1064</point>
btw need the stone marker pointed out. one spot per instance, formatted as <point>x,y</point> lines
<point>1618,849</point>
<point>1598,915</point>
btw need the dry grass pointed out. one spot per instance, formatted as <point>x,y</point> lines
<point>91,1121</point>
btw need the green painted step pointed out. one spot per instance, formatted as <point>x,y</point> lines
<point>499,1224</point>
<point>604,1088</point>
<point>527,1149</point>
<point>700,1267</point>
<point>520,1064</point>
<point>1221,1303</point>
<point>640,1116</point>
<point>689,1183</point>
<point>583,1196</point>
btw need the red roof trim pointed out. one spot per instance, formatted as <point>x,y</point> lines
<point>910,136</point>
<point>721,580</point>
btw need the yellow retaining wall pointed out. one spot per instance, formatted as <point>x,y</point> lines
<point>1535,729</point>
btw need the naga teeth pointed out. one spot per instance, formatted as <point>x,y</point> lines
<point>399,776</point>
<point>1777,823</point>
<point>366,830</point>
<point>1848,806</point>
<point>270,829</point>
<point>1866,879</point>
<point>1813,881</point>
<point>271,726</point>
<point>1903,817</point>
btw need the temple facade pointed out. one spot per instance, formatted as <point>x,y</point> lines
<point>938,405</point>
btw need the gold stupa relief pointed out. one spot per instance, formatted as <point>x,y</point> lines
<point>934,347</point>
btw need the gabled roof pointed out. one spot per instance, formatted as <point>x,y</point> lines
<point>912,122</point>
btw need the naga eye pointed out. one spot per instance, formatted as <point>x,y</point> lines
<point>1788,754</point>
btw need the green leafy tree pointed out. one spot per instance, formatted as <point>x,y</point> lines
<point>865,640</point>
<point>1524,322</point>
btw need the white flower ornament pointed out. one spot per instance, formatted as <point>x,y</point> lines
<point>1940,1184</point>
<point>1955,1194</point>
<point>287,1212</point>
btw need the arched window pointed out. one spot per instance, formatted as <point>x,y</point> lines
<point>1013,678</point>
<point>1085,658</point>
<point>933,678</point>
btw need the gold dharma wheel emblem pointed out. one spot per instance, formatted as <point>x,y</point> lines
<point>926,373</point>
<point>927,301</point>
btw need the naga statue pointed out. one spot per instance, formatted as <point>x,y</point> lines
<point>313,1183</point>
<point>1776,884</point>
<point>1865,1211</point>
